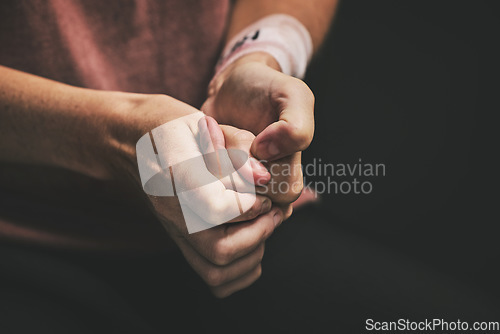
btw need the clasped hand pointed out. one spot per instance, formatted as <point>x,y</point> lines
<point>269,116</point>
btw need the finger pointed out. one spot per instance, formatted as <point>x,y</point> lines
<point>195,223</point>
<point>293,131</point>
<point>211,141</point>
<point>207,196</point>
<point>287,180</point>
<point>241,140</point>
<point>215,133</point>
<point>215,275</point>
<point>221,163</point>
<point>287,211</point>
<point>261,206</point>
<point>238,284</point>
<point>226,243</point>
<point>190,180</point>
<point>210,136</point>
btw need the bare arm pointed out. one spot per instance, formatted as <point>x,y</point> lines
<point>50,123</point>
<point>252,94</point>
<point>95,133</point>
<point>315,15</point>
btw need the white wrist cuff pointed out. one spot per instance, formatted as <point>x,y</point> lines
<point>280,35</point>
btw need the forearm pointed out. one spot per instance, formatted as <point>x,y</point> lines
<point>84,130</point>
<point>315,15</point>
<point>46,122</point>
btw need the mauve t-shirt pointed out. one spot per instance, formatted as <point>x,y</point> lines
<point>142,46</point>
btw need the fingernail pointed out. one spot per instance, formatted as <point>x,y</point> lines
<point>277,218</point>
<point>266,206</point>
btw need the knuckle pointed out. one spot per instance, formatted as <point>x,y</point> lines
<point>220,293</point>
<point>288,213</point>
<point>298,86</point>
<point>301,132</point>
<point>292,193</point>
<point>298,183</point>
<point>267,232</point>
<point>299,135</point>
<point>296,189</point>
<point>222,253</point>
<point>213,277</point>
<point>261,252</point>
<point>252,211</point>
<point>309,93</point>
<point>305,90</point>
<point>258,272</point>
<point>313,98</point>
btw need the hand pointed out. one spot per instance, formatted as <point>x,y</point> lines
<point>227,256</point>
<point>252,94</point>
<point>101,130</point>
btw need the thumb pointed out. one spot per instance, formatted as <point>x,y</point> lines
<point>238,140</point>
<point>293,132</point>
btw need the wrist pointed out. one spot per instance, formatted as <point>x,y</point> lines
<point>119,124</point>
<point>260,57</point>
<point>96,136</point>
<point>126,118</point>
<point>280,35</point>
<point>256,57</point>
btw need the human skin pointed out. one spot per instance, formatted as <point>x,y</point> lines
<point>253,94</point>
<point>279,109</point>
<point>94,133</point>
<point>43,122</point>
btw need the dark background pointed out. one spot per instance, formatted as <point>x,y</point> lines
<point>403,83</point>
<point>406,83</point>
